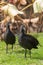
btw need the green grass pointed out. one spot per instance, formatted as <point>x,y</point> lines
<point>17,56</point>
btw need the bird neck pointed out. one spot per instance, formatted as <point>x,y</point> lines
<point>8,28</point>
<point>23,33</point>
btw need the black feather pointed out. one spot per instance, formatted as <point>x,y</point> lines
<point>9,37</point>
<point>27,41</point>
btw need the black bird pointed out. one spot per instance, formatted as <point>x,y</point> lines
<point>27,41</point>
<point>9,37</point>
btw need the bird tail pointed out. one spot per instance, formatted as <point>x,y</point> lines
<point>40,45</point>
<point>35,47</point>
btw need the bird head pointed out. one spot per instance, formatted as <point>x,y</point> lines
<point>23,29</point>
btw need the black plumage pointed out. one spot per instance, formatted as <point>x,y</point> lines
<point>27,41</point>
<point>9,37</point>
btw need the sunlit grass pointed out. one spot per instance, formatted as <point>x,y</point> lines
<point>17,56</point>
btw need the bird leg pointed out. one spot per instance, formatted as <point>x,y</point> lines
<point>30,53</point>
<point>25,52</point>
<point>6,48</point>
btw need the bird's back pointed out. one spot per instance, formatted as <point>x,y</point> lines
<point>28,41</point>
<point>32,40</point>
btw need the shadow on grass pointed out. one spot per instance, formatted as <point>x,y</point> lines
<point>20,51</point>
<point>41,58</point>
<point>37,56</point>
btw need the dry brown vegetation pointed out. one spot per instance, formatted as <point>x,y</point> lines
<point>33,22</point>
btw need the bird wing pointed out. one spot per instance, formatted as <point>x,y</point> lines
<point>31,39</point>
